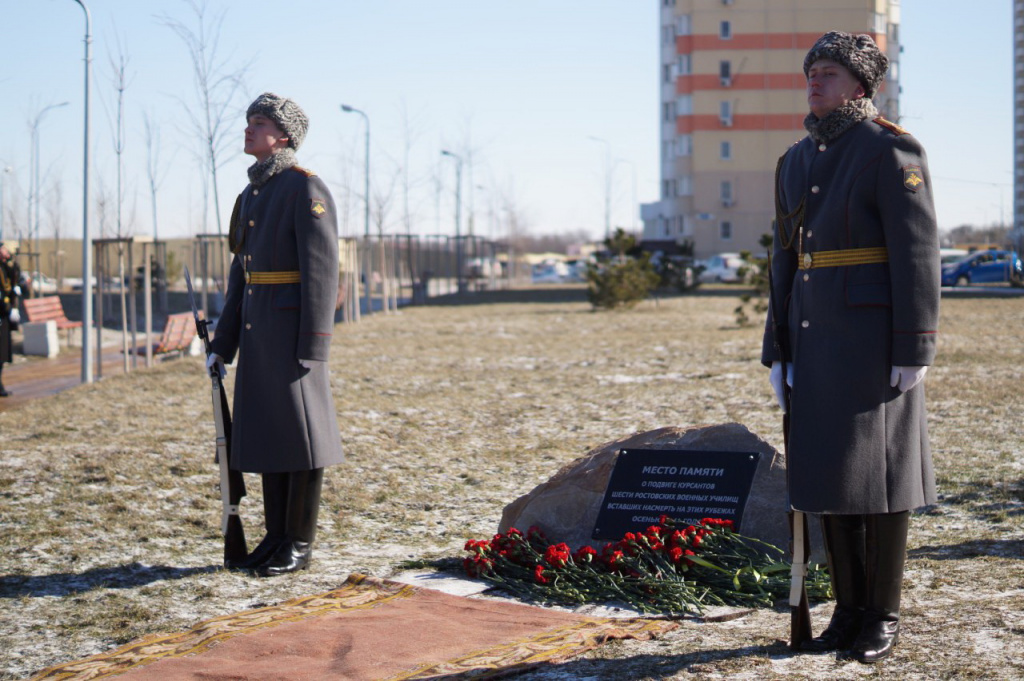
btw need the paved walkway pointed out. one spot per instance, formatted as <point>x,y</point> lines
<point>36,377</point>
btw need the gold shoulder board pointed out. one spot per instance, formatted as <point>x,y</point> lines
<point>891,127</point>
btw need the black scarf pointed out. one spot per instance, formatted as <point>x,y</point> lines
<point>261,171</point>
<point>825,130</point>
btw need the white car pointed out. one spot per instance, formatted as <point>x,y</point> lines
<point>721,268</point>
<point>41,283</point>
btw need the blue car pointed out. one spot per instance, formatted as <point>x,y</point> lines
<point>985,267</point>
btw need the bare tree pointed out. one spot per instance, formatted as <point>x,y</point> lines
<point>412,130</point>
<point>156,172</point>
<point>217,88</point>
<point>55,216</point>
<point>119,79</point>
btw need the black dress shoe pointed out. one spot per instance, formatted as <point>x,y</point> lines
<point>876,641</point>
<point>259,555</point>
<point>5,393</point>
<point>841,632</point>
<point>291,556</point>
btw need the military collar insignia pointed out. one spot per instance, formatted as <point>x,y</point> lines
<point>912,179</point>
<point>317,207</point>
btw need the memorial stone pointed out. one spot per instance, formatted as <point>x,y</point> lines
<point>566,507</point>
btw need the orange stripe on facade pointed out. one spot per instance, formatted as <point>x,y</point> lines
<point>744,81</point>
<point>686,125</point>
<point>686,44</point>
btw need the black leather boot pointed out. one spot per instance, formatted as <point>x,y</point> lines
<point>303,506</point>
<point>3,392</point>
<point>275,508</point>
<point>886,556</point>
<point>845,551</point>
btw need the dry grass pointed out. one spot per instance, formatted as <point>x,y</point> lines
<point>109,516</point>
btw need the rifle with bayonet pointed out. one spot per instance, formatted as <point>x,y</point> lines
<point>800,543</point>
<point>232,486</point>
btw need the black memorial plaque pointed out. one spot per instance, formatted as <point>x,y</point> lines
<point>685,485</point>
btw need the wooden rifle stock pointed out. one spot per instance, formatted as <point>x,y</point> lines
<point>800,544</point>
<point>232,486</point>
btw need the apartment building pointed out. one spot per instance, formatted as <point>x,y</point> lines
<point>733,100</point>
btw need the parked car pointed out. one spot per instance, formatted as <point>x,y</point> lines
<point>550,273</point>
<point>721,268</point>
<point>40,283</point>
<point>985,267</point>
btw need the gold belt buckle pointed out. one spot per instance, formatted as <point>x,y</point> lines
<point>807,261</point>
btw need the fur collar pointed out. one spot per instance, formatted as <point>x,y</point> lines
<point>261,171</point>
<point>825,130</point>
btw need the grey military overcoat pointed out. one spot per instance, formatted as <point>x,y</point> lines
<point>284,415</point>
<point>857,445</point>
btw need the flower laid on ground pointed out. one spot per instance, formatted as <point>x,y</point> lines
<point>668,569</point>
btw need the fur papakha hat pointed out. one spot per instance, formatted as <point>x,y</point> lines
<point>285,113</point>
<point>858,53</point>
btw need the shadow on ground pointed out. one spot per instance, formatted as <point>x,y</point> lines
<point>120,577</point>
<point>658,666</point>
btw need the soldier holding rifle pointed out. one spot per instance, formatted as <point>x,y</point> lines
<point>855,268</point>
<point>279,318</point>
<point>10,317</point>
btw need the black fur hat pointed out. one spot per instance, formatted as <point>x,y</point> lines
<point>285,113</point>
<point>858,53</point>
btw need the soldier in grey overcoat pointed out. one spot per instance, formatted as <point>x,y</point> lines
<point>279,318</point>
<point>855,275</point>
<point>10,317</point>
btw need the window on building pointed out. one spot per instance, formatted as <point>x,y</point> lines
<point>683,25</point>
<point>668,34</point>
<point>666,73</point>
<point>725,73</point>
<point>726,150</point>
<point>667,151</point>
<point>683,65</point>
<point>684,105</point>
<point>685,186</point>
<point>684,145</point>
<point>725,230</point>
<point>725,113</point>
<point>726,193</point>
<point>725,30</point>
<point>667,222</point>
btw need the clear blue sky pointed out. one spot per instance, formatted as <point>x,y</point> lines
<point>525,85</point>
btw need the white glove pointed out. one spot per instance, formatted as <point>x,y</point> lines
<point>906,377</point>
<point>15,315</point>
<point>775,378</point>
<point>213,359</point>
<point>310,363</point>
<point>17,290</point>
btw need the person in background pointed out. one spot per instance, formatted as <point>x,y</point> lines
<point>10,317</point>
<point>855,271</point>
<point>279,318</point>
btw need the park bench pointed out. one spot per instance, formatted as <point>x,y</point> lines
<point>49,308</point>
<point>179,332</point>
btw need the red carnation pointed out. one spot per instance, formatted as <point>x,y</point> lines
<point>538,575</point>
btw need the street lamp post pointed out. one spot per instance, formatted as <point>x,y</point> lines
<point>33,225</point>
<point>458,218</point>
<point>634,208</point>
<point>366,203</point>
<point>607,184</point>
<point>86,244</point>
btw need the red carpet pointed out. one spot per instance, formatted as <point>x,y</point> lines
<point>367,629</point>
